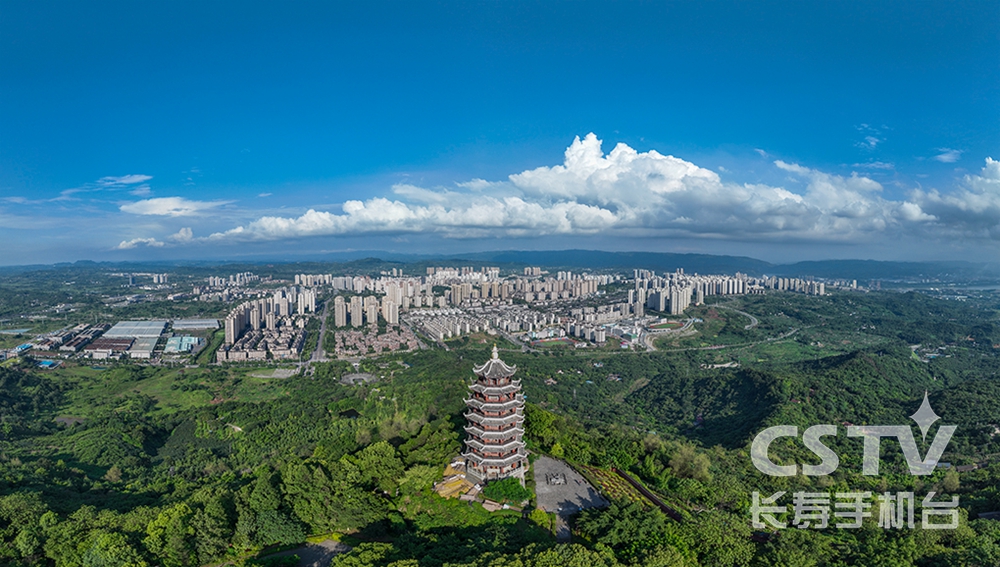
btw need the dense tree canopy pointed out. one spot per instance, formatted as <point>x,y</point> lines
<point>193,466</point>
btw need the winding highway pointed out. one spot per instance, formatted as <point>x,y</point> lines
<point>650,336</point>
<point>753,320</point>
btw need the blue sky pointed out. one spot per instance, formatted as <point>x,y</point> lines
<point>780,130</point>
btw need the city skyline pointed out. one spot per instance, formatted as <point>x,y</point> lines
<point>778,132</point>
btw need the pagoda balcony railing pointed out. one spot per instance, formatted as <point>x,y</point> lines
<point>497,399</point>
<point>505,447</point>
<point>495,406</point>
<point>488,475</point>
<point>496,462</point>
<point>514,386</point>
<point>494,421</point>
<point>489,412</point>
<point>488,434</point>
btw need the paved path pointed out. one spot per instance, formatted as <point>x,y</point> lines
<point>780,337</point>
<point>319,355</point>
<point>563,533</point>
<point>316,554</point>
<point>510,337</point>
<point>562,490</point>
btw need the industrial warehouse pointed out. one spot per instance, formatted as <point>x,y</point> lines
<point>126,339</point>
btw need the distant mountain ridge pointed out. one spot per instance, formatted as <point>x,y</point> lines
<point>862,270</point>
<point>597,259</point>
<point>718,264</point>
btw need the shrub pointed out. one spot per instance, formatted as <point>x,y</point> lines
<point>508,489</point>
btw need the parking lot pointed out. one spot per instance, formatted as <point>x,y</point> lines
<point>562,490</point>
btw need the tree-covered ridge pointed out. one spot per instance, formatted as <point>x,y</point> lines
<point>196,466</point>
<point>26,400</point>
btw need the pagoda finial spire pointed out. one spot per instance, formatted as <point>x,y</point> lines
<point>496,353</point>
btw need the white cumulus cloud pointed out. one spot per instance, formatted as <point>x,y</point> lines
<point>124,179</point>
<point>973,209</point>
<point>170,206</point>
<point>948,155</point>
<point>627,193</point>
<point>136,242</point>
<point>622,192</point>
<point>869,143</point>
<point>183,235</point>
<point>875,165</point>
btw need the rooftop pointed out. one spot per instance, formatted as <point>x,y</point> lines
<point>181,344</point>
<point>495,368</point>
<point>136,329</point>
<point>195,324</point>
<point>143,344</point>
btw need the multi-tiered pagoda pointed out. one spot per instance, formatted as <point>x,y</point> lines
<point>494,448</point>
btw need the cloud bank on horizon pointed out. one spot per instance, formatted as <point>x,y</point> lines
<point>630,194</point>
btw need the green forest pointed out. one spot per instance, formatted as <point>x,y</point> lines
<point>131,465</point>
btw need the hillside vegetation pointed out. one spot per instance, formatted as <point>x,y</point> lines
<point>135,465</point>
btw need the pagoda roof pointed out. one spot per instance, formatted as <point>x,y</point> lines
<point>482,461</point>
<point>495,368</point>
<point>509,433</point>
<point>495,406</point>
<point>495,421</point>
<point>505,447</point>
